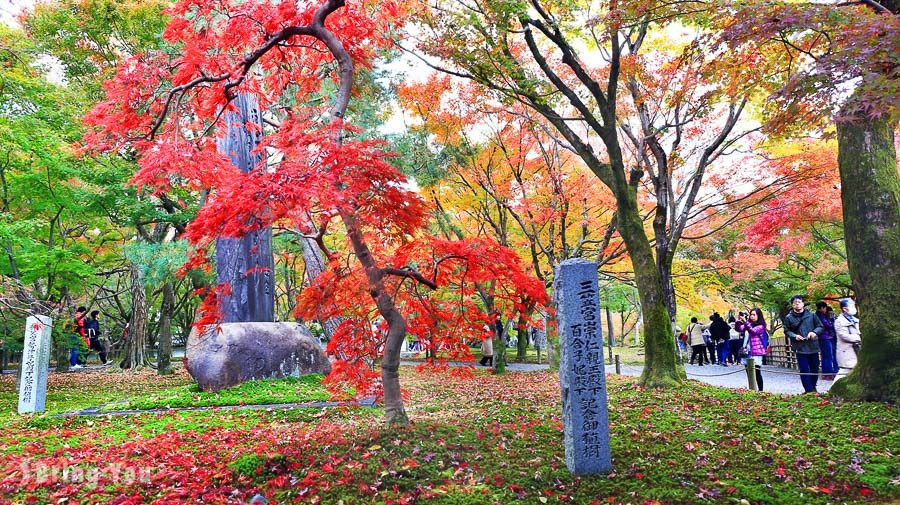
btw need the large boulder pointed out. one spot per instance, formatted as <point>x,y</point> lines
<point>228,354</point>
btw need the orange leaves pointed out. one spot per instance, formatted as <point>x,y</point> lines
<point>814,197</point>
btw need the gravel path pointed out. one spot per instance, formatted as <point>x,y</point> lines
<point>775,379</point>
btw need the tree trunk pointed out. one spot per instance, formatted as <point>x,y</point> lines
<point>870,191</point>
<point>61,347</point>
<point>522,339</point>
<point>165,330</point>
<point>315,265</point>
<point>661,368</point>
<point>665,277</point>
<point>610,339</point>
<point>137,326</point>
<point>394,411</point>
<point>500,350</point>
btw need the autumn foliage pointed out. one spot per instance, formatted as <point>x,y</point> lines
<point>318,174</point>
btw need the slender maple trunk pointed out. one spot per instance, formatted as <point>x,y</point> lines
<point>137,329</point>
<point>663,245</point>
<point>611,338</point>
<point>870,191</point>
<point>164,360</point>
<point>395,413</point>
<point>668,285</point>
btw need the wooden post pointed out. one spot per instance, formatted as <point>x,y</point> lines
<point>751,374</point>
<point>618,366</point>
<point>610,337</point>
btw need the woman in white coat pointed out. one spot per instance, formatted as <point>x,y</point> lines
<point>846,328</point>
<point>487,349</point>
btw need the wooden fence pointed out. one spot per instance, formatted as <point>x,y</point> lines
<point>780,353</point>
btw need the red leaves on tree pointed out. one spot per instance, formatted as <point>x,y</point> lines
<point>445,320</point>
<point>163,106</point>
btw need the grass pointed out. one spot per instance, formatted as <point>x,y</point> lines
<point>259,392</point>
<point>491,439</point>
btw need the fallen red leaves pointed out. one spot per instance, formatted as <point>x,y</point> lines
<point>494,435</point>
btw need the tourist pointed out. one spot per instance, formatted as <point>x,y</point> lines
<point>846,329</point>
<point>487,350</point>
<point>698,344</point>
<point>710,342</point>
<point>92,326</point>
<point>681,338</point>
<point>719,332</point>
<point>79,334</point>
<point>735,340</point>
<point>826,342</point>
<point>756,340</point>
<point>803,328</point>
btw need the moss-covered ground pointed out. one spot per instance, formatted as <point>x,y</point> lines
<point>490,439</point>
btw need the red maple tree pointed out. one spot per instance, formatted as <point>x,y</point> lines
<point>164,105</point>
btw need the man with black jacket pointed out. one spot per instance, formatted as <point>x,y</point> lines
<point>92,327</point>
<point>719,333</point>
<point>803,328</point>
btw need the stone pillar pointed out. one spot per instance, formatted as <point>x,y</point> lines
<point>581,370</point>
<point>252,297</point>
<point>35,364</point>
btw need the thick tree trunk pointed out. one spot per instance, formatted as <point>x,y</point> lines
<point>522,339</point>
<point>870,191</point>
<point>661,368</point>
<point>665,278</point>
<point>500,350</point>
<point>164,364</point>
<point>137,326</point>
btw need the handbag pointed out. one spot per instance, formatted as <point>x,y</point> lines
<point>743,353</point>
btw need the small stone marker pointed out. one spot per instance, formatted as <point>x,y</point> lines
<point>35,364</point>
<point>581,370</point>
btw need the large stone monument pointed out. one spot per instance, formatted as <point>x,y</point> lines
<point>581,370</point>
<point>245,263</point>
<point>35,364</point>
<point>248,344</point>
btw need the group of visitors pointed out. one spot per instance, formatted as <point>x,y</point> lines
<point>816,338</point>
<point>718,342</point>
<point>821,338</point>
<point>86,330</point>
